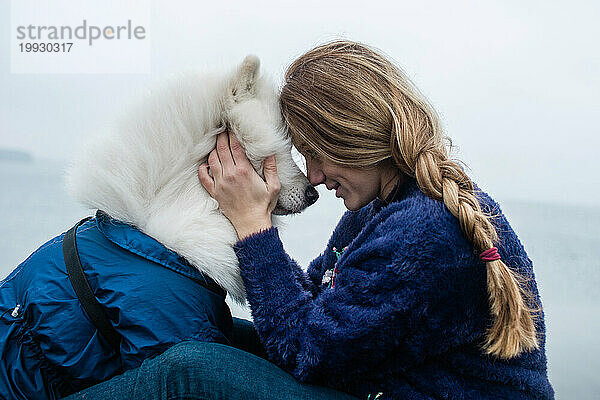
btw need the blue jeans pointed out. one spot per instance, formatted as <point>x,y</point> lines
<point>198,370</point>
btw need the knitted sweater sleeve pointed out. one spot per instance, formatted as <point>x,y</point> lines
<point>386,299</point>
<point>302,278</point>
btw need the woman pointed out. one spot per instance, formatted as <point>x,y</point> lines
<point>423,291</point>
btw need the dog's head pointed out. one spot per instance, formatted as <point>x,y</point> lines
<point>253,115</point>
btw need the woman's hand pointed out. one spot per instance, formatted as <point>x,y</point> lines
<point>244,197</point>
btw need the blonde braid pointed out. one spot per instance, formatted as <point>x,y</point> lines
<point>513,330</point>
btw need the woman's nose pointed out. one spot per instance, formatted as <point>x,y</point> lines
<point>314,174</point>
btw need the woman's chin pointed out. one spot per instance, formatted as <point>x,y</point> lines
<point>354,204</point>
<point>351,206</point>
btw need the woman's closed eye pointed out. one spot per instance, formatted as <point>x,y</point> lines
<point>310,154</point>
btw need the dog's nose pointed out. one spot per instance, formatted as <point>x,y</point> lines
<point>311,195</point>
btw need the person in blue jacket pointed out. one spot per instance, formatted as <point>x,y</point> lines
<point>423,291</point>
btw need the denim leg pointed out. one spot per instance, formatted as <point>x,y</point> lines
<point>245,337</point>
<point>198,370</point>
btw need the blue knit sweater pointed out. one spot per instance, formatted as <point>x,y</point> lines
<point>405,312</point>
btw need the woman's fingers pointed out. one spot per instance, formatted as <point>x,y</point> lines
<point>224,152</point>
<point>215,164</point>
<point>271,177</point>
<point>233,172</point>
<point>239,190</point>
<point>239,155</point>
<point>205,179</point>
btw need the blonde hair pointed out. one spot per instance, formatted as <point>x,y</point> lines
<point>347,103</point>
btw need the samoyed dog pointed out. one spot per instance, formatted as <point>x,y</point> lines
<point>144,172</point>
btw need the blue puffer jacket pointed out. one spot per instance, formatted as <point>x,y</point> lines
<point>152,296</point>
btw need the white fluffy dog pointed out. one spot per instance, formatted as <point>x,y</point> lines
<point>145,171</point>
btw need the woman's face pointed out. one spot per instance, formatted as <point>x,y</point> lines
<point>357,186</point>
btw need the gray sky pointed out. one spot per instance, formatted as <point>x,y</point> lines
<point>516,83</point>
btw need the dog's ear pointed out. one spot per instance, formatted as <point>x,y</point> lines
<point>246,77</point>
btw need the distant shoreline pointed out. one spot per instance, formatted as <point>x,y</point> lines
<point>15,155</point>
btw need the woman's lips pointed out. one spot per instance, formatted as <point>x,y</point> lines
<point>335,187</point>
<point>337,190</point>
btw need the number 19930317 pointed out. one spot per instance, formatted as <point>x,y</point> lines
<point>45,47</point>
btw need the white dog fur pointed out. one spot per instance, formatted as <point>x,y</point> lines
<point>144,171</point>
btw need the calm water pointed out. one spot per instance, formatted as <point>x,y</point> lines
<point>562,241</point>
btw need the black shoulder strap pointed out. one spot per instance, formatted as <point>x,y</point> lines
<point>84,292</point>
